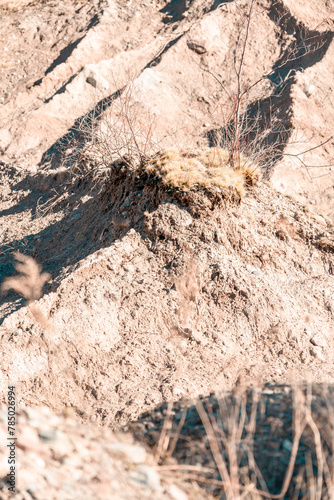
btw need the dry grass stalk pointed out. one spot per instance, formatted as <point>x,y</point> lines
<point>49,205</point>
<point>231,431</point>
<point>165,433</point>
<point>245,130</point>
<point>216,452</point>
<point>29,283</point>
<point>122,129</point>
<point>177,434</point>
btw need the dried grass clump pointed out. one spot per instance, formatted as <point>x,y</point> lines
<point>29,283</point>
<point>207,167</point>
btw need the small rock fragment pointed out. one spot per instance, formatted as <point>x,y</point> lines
<point>176,493</point>
<point>120,221</point>
<point>129,268</point>
<point>250,268</point>
<point>309,90</point>
<point>97,81</point>
<point>319,340</point>
<point>326,243</point>
<point>61,447</point>
<point>275,333</point>
<point>319,219</point>
<point>47,435</point>
<point>148,476</point>
<point>5,138</point>
<point>264,257</point>
<point>304,357</point>
<point>282,235</point>
<point>135,454</point>
<point>197,336</point>
<point>317,353</point>
<point>197,47</point>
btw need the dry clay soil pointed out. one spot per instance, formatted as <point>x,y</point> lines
<point>156,295</point>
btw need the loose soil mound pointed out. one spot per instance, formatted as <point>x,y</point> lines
<point>172,293</point>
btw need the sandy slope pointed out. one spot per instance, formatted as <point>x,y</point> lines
<point>156,294</point>
<point>183,296</point>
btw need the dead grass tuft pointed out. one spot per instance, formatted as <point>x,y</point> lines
<point>188,169</point>
<point>29,283</point>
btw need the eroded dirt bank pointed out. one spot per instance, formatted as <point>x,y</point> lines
<point>157,293</point>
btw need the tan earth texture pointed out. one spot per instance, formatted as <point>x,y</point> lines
<point>168,278</point>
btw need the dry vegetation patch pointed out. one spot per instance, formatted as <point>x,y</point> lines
<point>265,442</point>
<point>29,283</point>
<point>188,169</point>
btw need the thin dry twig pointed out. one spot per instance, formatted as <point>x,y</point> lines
<point>165,433</point>
<point>232,489</point>
<point>178,431</point>
<point>251,137</point>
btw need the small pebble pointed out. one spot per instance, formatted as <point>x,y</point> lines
<point>129,268</point>
<point>287,445</point>
<point>318,340</point>
<point>309,90</point>
<point>264,257</point>
<point>176,493</point>
<point>317,353</point>
<point>197,46</point>
<point>148,476</point>
<point>133,453</point>
<point>47,435</point>
<point>320,220</point>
